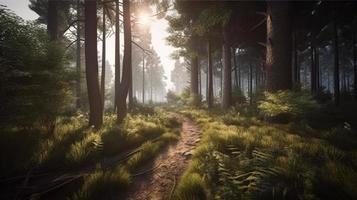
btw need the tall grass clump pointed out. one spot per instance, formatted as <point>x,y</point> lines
<point>191,187</point>
<point>104,185</point>
<point>86,150</point>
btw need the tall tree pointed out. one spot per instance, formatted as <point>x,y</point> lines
<point>354,56</point>
<point>102,82</point>
<point>125,81</point>
<point>210,75</point>
<point>194,76</point>
<point>226,70</point>
<point>91,59</point>
<point>336,73</point>
<point>78,56</point>
<point>278,47</point>
<point>117,55</point>
<point>52,19</point>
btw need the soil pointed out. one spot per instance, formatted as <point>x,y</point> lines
<point>167,168</point>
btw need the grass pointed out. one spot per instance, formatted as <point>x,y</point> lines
<point>241,157</point>
<point>74,146</point>
<point>104,185</point>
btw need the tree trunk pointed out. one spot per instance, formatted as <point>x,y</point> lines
<point>143,93</point>
<point>250,83</point>
<point>78,58</point>
<point>117,55</point>
<point>296,65</point>
<point>278,48</point>
<point>235,68</point>
<point>95,101</point>
<point>354,59</point>
<point>210,76</point>
<point>313,72</point>
<point>52,20</point>
<point>226,70</point>
<point>103,60</point>
<point>125,81</point>
<point>336,74</point>
<point>317,69</point>
<point>199,79</point>
<point>194,77</point>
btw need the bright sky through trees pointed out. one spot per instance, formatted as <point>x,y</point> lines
<point>157,26</point>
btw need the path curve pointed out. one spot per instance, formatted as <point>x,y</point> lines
<point>168,167</point>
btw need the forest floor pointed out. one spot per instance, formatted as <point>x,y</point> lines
<point>168,167</point>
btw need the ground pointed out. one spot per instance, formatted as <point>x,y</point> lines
<point>168,167</point>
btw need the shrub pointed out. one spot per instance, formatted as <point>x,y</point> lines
<point>288,104</point>
<point>33,79</point>
<point>238,96</point>
<point>172,98</point>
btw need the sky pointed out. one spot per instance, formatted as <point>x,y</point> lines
<point>158,30</point>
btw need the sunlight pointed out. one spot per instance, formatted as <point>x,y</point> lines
<point>144,19</point>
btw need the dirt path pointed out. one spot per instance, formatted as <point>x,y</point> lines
<point>168,167</point>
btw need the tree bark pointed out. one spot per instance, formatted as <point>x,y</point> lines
<point>235,68</point>
<point>296,65</point>
<point>354,59</point>
<point>210,76</point>
<point>278,48</point>
<point>336,74</point>
<point>317,69</point>
<point>117,56</point>
<point>199,79</point>
<point>227,70</point>
<point>194,77</point>
<point>250,83</point>
<point>52,20</point>
<point>103,60</point>
<point>95,103</point>
<point>78,57</point>
<point>313,73</point>
<point>143,93</point>
<point>125,81</point>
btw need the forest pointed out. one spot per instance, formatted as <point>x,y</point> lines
<point>256,100</point>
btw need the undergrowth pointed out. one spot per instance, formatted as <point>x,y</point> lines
<point>74,146</point>
<point>242,157</point>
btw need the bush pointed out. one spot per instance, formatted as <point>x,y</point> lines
<point>33,79</point>
<point>172,98</point>
<point>287,104</point>
<point>238,96</point>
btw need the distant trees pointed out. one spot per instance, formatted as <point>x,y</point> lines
<point>179,76</point>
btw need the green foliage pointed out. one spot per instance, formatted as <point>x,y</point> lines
<point>238,96</point>
<point>172,98</point>
<point>32,75</point>
<point>212,17</point>
<point>147,151</point>
<point>104,185</point>
<point>243,158</point>
<point>87,149</point>
<point>189,99</point>
<point>191,187</point>
<point>287,103</point>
